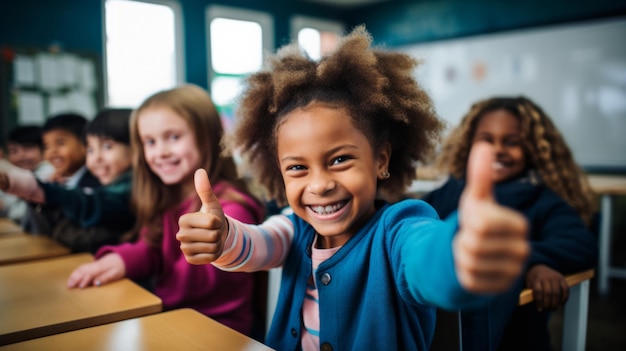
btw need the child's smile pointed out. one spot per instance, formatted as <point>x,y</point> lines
<point>502,129</point>
<point>329,170</point>
<point>106,158</point>
<point>169,145</point>
<point>327,210</point>
<point>64,151</point>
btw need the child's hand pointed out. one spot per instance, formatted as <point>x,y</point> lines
<point>490,247</point>
<point>107,269</point>
<point>550,289</point>
<point>202,234</point>
<point>4,181</point>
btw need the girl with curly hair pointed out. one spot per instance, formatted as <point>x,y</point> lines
<point>534,173</point>
<point>338,140</point>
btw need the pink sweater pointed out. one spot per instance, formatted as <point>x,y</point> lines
<point>224,296</point>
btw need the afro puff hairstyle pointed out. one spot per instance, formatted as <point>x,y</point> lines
<point>375,86</point>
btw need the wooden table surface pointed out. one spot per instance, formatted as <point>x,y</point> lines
<point>8,226</point>
<point>182,329</point>
<point>23,247</point>
<point>35,302</point>
<point>607,184</point>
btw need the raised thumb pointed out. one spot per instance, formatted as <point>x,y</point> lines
<point>479,175</point>
<point>204,190</point>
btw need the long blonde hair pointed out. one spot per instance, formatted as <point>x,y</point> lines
<point>150,197</point>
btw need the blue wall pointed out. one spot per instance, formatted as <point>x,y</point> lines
<point>77,24</point>
<point>403,22</point>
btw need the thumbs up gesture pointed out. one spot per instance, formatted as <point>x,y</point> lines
<point>202,234</point>
<point>491,246</point>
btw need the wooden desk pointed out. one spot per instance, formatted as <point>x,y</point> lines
<point>35,301</point>
<point>576,307</point>
<point>22,247</point>
<point>8,226</point>
<point>607,187</point>
<point>183,329</point>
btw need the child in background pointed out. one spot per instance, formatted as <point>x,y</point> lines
<point>173,133</point>
<point>86,220</point>
<point>64,148</point>
<point>25,150</point>
<point>534,173</point>
<point>359,273</point>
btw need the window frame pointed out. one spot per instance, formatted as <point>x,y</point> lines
<point>264,19</point>
<point>300,22</point>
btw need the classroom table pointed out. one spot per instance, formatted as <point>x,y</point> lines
<point>35,301</point>
<point>7,226</point>
<point>23,247</point>
<point>607,187</point>
<point>576,307</point>
<point>183,329</point>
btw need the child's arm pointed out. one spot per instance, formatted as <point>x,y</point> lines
<point>491,246</point>
<point>208,236</point>
<point>105,204</point>
<point>19,182</point>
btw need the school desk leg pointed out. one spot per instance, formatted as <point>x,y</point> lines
<point>575,318</point>
<point>605,244</point>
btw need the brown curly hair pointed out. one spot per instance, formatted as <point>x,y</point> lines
<point>375,86</point>
<point>544,147</point>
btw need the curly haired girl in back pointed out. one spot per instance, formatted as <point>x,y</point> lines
<point>333,139</point>
<point>535,174</point>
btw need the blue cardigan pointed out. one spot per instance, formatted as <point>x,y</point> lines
<point>379,290</point>
<point>558,238</point>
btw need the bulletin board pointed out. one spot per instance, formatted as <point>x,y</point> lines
<point>37,83</point>
<point>575,72</point>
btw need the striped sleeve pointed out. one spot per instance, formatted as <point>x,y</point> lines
<point>250,248</point>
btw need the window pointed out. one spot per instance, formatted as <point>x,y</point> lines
<point>237,41</point>
<point>143,46</point>
<point>316,36</point>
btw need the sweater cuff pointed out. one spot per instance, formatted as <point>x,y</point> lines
<point>135,257</point>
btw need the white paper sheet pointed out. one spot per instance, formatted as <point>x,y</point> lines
<point>24,71</point>
<point>30,108</point>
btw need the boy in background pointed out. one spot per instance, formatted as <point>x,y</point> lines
<point>64,147</point>
<point>25,150</point>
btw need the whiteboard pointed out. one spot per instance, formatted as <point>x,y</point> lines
<point>576,73</point>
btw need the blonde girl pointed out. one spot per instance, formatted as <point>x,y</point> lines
<point>173,133</point>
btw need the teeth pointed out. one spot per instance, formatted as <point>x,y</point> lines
<point>326,209</point>
<point>498,165</point>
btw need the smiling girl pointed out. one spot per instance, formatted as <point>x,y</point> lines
<point>173,133</point>
<point>534,173</point>
<point>330,137</point>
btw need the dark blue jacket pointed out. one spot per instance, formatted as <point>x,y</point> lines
<point>558,239</point>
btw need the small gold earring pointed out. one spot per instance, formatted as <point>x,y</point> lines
<point>386,174</point>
